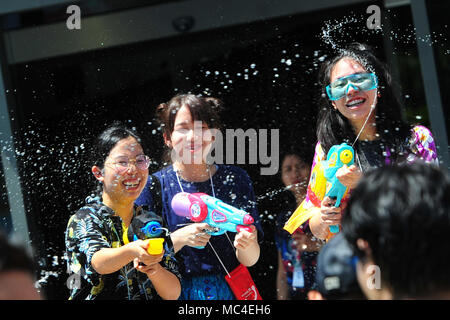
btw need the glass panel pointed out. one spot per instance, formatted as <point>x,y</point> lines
<point>5,216</point>
<point>439,27</point>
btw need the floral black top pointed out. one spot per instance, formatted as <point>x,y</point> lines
<point>94,227</point>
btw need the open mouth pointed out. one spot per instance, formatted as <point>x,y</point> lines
<point>194,148</point>
<point>355,102</point>
<point>131,184</point>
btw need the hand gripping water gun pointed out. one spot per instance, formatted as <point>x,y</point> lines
<point>337,157</point>
<point>323,182</point>
<point>146,226</point>
<point>200,207</point>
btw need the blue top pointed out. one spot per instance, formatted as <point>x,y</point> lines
<point>233,186</point>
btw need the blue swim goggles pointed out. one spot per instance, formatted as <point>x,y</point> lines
<point>359,81</point>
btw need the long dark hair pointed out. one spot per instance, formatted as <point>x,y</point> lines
<point>333,128</point>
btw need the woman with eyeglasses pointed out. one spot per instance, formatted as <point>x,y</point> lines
<point>100,264</point>
<point>358,106</point>
<point>188,123</point>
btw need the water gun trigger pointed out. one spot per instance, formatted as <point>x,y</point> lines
<point>243,227</point>
<point>214,231</point>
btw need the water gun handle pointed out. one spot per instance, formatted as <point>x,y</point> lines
<point>334,228</point>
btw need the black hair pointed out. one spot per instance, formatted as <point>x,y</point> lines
<point>14,258</point>
<point>403,212</point>
<point>333,128</point>
<point>106,141</point>
<point>303,152</point>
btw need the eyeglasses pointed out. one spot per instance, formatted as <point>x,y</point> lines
<point>142,162</point>
<point>359,81</point>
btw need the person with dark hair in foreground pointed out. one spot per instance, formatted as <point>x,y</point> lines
<point>398,223</point>
<point>16,273</point>
<point>336,273</point>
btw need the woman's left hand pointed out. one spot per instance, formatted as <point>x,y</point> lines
<point>245,239</point>
<point>349,176</point>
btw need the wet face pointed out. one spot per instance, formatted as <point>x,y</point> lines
<point>294,170</point>
<point>190,141</point>
<point>120,181</point>
<point>355,105</point>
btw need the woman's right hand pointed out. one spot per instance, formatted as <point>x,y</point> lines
<point>192,235</point>
<point>329,214</point>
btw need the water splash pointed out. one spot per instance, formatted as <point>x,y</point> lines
<point>275,192</point>
<point>330,29</point>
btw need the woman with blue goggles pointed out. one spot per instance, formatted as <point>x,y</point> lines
<point>358,81</point>
<point>359,106</point>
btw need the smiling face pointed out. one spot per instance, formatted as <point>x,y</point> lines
<point>122,184</point>
<point>355,105</point>
<point>190,140</point>
<point>294,170</point>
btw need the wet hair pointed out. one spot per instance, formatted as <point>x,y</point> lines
<point>107,140</point>
<point>205,109</point>
<point>333,128</point>
<point>403,212</point>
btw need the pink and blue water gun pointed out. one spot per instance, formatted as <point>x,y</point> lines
<point>200,207</point>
